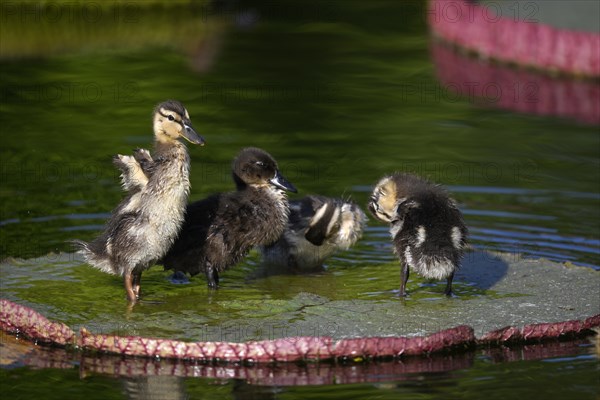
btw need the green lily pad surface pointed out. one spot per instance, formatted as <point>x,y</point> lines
<point>491,291</point>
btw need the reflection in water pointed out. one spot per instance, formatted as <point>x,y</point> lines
<point>169,379</point>
<point>192,27</point>
<point>151,387</point>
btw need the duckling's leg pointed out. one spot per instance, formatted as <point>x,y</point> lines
<point>137,284</point>
<point>448,290</point>
<point>403,278</point>
<point>128,281</point>
<point>212,276</point>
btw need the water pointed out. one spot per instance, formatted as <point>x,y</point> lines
<point>559,370</point>
<point>341,94</point>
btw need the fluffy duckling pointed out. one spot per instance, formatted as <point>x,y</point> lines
<point>221,229</point>
<point>144,225</point>
<point>317,228</point>
<point>427,228</point>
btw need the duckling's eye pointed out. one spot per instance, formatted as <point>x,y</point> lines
<point>260,164</point>
<point>171,118</point>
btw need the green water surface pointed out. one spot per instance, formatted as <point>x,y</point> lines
<point>340,93</point>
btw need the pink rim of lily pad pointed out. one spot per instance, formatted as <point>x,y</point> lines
<point>34,326</point>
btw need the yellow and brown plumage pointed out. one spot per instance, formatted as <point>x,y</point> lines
<point>144,225</point>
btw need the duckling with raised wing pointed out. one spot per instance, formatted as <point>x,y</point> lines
<point>427,228</point>
<point>317,227</point>
<point>144,225</point>
<point>220,230</point>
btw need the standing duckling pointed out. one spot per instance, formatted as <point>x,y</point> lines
<point>220,230</point>
<point>317,228</point>
<point>144,225</point>
<point>427,228</point>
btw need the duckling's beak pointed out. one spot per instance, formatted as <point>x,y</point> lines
<point>372,205</point>
<point>189,133</point>
<point>279,181</point>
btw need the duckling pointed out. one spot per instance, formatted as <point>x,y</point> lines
<point>220,230</point>
<point>427,228</point>
<point>317,228</point>
<point>144,225</point>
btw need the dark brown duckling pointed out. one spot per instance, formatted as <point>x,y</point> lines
<point>220,230</point>
<point>427,228</point>
<point>317,228</point>
<point>144,225</point>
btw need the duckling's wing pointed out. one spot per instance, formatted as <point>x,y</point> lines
<point>144,159</point>
<point>133,177</point>
<point>324,214</point>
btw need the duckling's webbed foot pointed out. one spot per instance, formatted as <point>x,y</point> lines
<point>212,276</point>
